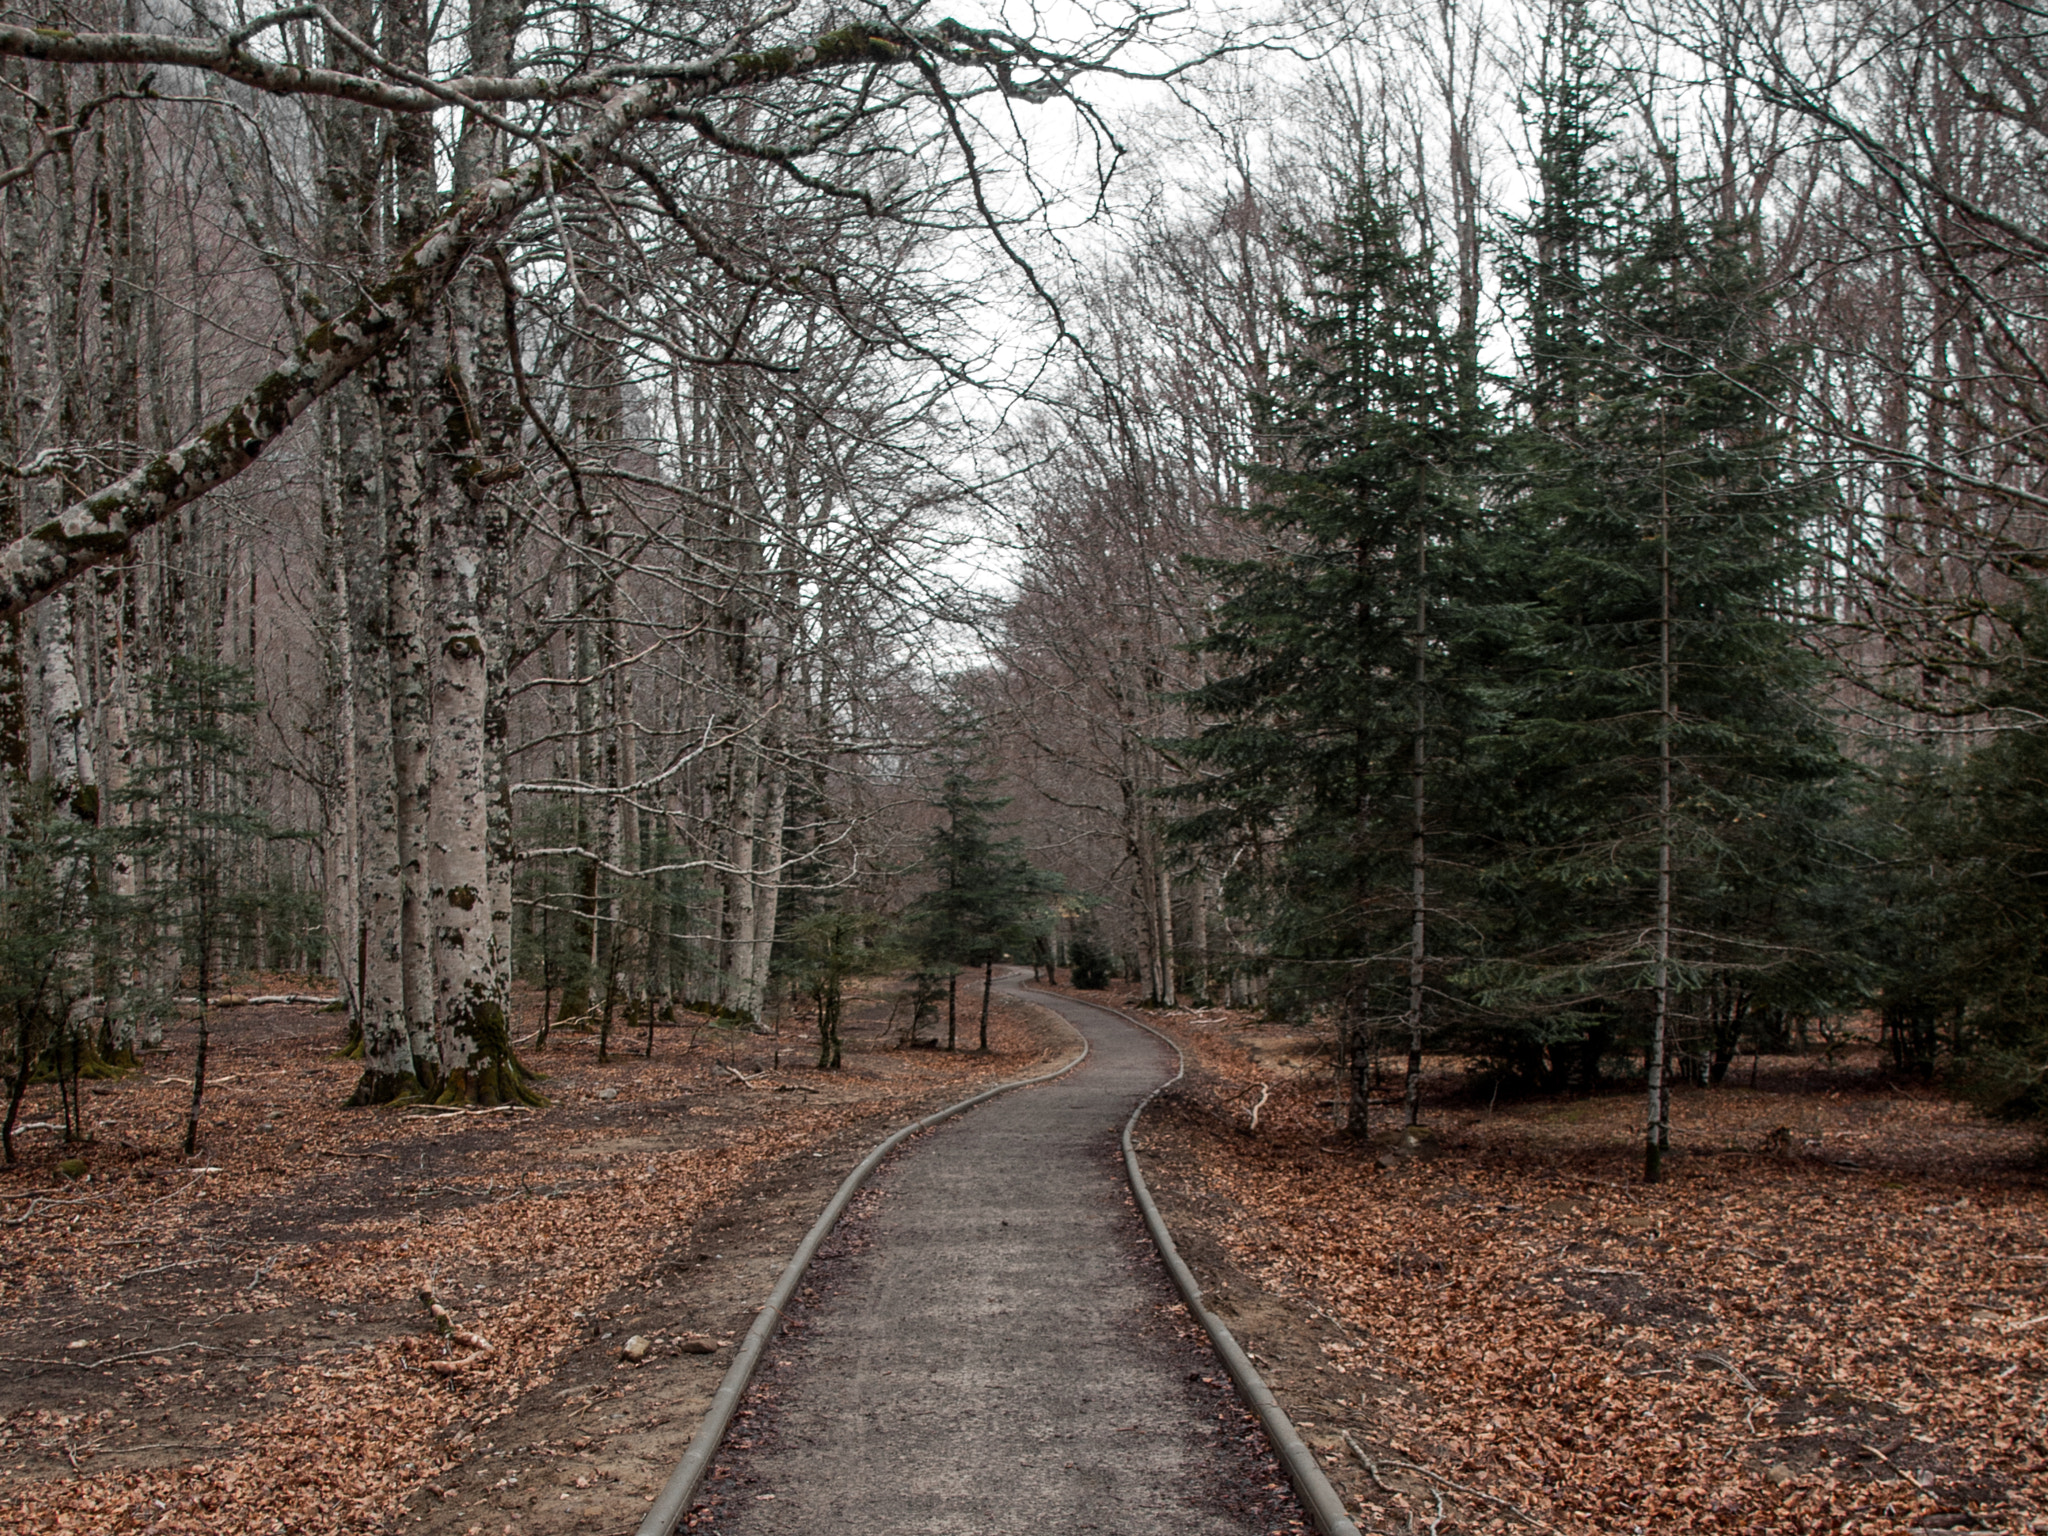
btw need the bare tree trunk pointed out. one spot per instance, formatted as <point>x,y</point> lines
<point>1168,993</point>
<point>768,878</point>
<point>477,1060</point>
<point>743,800</point>
<point>390,1070</point>
<point>988,981</point>
<point>340,857</point>
<point>478,1064</point>
<point>406,658</point>
<point>1418,853</point>
<point>1658,1131</point>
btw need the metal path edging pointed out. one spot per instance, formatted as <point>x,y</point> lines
<point>673,1502</point>
<point>1325,1506</point>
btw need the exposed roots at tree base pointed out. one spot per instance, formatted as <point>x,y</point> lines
<point>375,1087</point>
<point>492,1079</point>
<point>494,1074</point>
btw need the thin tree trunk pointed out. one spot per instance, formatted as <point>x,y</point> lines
<point>768,877</point>
<point>199,1056</point>
<point>1418,850</point>
<point>988,981</point>
<point>743,800</point>
<point>340,856</point>
<point>1169,993</point>
<point>1657,1134</point>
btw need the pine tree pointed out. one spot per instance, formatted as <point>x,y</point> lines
<point>1343,691</point>
<point>988,899</point>
<point>1658,726</point>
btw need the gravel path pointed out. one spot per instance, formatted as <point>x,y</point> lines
<point>995,1350</point>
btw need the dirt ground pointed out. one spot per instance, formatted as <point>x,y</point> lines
<point>237,1342</point>
<point>1833,1316</point>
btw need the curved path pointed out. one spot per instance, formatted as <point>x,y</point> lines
<point>994,1353</point>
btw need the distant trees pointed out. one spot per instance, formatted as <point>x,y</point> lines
<point>986,900</point>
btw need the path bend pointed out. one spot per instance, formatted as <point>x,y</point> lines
<point>994,1349</point>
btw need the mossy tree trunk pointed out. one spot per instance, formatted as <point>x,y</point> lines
<point>478,1064</point>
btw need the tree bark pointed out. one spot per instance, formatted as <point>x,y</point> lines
<point>1418,852</point>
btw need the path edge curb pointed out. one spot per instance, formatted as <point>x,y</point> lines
<point>673,1502</point>
<point>1325,1504</point>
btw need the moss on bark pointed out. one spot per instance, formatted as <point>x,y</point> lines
<point>494,1073</point>
<point>375,1087</point>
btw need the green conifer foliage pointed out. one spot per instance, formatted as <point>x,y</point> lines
<point>1343,696</point>
<point>1666,766</point>
<point>988,900</point>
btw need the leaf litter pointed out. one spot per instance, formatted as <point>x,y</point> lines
<point>1830,1318</point>
<point>243,1343</point>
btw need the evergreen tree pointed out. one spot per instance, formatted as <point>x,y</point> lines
<point>47,899</point>
<point>1662,759</point>
<point>1343,692</point>
<point>1962,903</point>
<point>195,823</point>
<point>988,899</point>
<point>831,946</point>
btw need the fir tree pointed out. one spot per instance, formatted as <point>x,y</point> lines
<point>1659,744</point>
<point>1342,693</point>
<point>195,823</point>
<point>988,899</point>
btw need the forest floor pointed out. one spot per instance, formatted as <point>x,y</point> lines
<point>1832,1316</point>
<point>237,1342</point>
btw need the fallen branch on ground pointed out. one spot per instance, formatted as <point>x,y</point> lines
<point>1438,1478</point>
<point>444,1321</point>
<point>453,1111</point>
<point>1265,1093</point>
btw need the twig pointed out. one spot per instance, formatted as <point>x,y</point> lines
<point>1370,1465</point>
<point>93,1365</point>
<point>1264,1094</point>
<point>160,1445</point>
<point>1436,1477</point>
<point>1731,1368</point>
<point>736,1072</point>
<point>338,1152</point>
<point>160,1268</point>
<point>454,1111</point>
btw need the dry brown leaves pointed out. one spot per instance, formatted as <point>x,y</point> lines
<point>235,1344</point>
<point>1833,1316</point>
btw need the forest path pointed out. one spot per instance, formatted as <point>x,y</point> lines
<point>993,1346</point>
